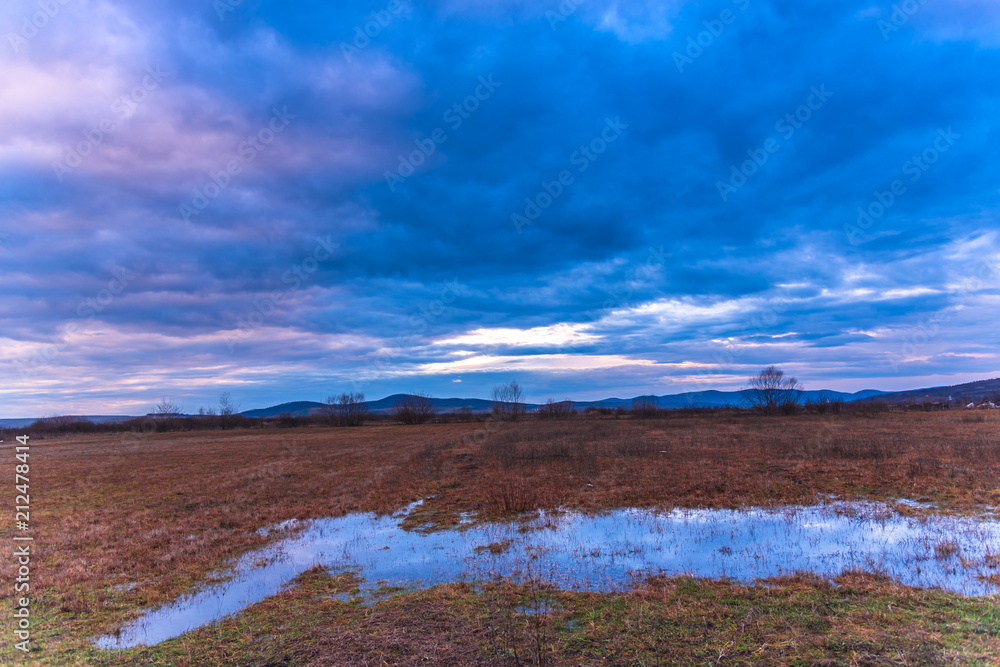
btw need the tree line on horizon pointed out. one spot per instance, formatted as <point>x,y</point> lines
<point>769,392</point>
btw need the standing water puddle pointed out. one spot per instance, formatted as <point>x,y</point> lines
<point>602,553</point>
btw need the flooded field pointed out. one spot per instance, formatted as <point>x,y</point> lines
<point>603,552</point>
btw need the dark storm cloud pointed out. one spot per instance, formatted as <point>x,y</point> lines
<point>743,183</point>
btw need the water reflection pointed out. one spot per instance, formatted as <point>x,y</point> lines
<point>604,552</point>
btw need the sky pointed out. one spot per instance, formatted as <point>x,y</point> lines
<point>594,198</point>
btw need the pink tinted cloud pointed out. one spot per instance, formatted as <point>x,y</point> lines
<point>132,116</point>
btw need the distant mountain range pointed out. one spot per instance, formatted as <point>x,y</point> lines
<point>381,406</point>
<point>956,394</point>
<point>696,399</point>
<point>962,393</point>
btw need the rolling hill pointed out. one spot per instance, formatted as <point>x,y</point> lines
<point>698,399</point>
<point>957,395</point>
<point>970,392</point>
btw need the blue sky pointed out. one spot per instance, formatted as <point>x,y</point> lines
<point>596,198</point>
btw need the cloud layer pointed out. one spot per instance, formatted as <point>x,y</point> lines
<point>597,198</point>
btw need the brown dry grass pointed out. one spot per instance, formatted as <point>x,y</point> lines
<point>163,510</point>
<point>711,462</point>
<point>800,620</point>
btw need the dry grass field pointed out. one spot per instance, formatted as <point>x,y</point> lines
<point>164,510</point>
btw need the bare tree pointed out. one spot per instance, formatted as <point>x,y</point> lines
<point>771,392</point>
<point>347,409</point>
<point>328,409</point>
<point>645,407</point>
<point>507,405</point>
<point>166,409</point>
<point>414,409</point>
<point>229,410</point>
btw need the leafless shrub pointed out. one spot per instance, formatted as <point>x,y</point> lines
<point>285,420</point>
<point>501,629</point>
<point>328,409</point>
<point>645,407</point>
<point>825,405</point>
<point>511,496</point>
<point>348,409</point>
<point>772,393</point>
<point>65,422</point>
<point>820,407</point>
<point>414,409</point>
<point>507,404</point>
<point>556,410</point>
<point>519,624</point>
